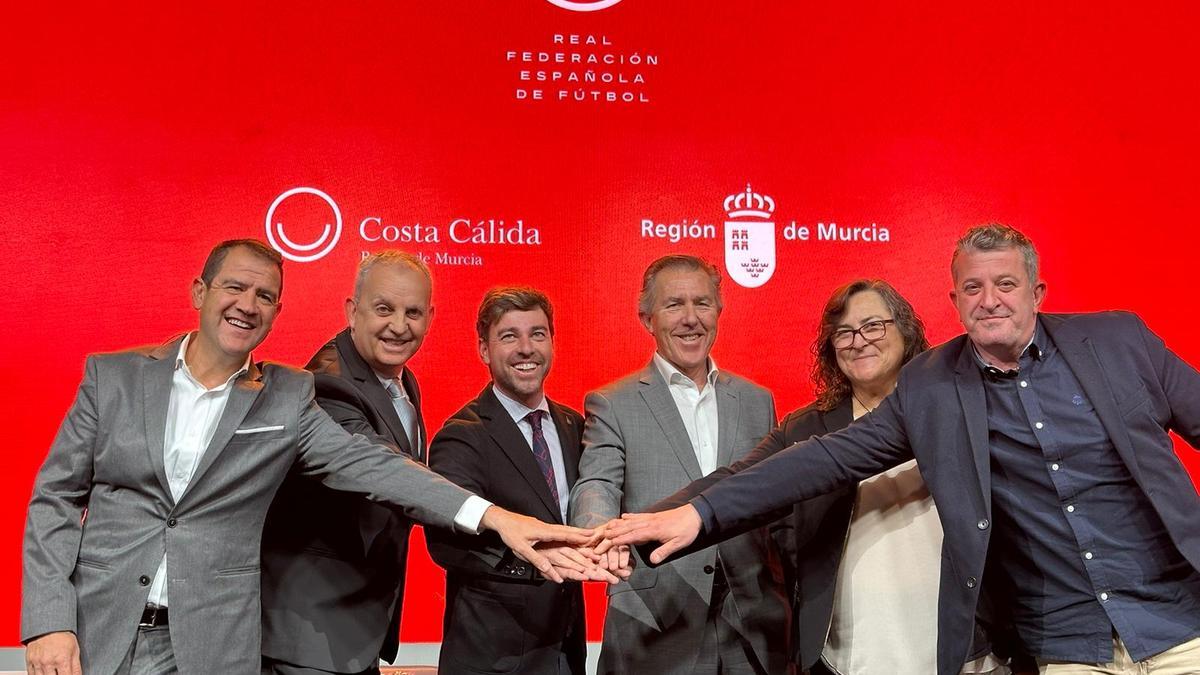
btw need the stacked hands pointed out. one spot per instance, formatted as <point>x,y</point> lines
<point>599,554</point>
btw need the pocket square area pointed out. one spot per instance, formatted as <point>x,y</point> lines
<point>259,430</point>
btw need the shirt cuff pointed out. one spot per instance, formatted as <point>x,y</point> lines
<point>708,519</point>
<point>471,513</point>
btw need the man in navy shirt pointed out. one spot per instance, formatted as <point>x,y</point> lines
<point>1043,439</point>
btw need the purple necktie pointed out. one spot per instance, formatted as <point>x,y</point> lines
<point>541,452</point>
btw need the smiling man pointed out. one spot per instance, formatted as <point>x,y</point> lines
<point>1070,523</point>
<point>649,434</point>
<point>334,562</point>
<point>520,450</point>
<point>143,534</point>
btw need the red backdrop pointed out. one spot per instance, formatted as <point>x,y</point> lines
<point>133,138</point>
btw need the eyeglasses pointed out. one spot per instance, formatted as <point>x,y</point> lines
<point>870,332</point>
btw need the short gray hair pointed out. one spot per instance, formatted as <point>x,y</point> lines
<point>996,237</point>
<point>690,263</point>
<point>389,257</point>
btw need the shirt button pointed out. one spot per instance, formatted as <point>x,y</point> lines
<point>1104,596</point>
<point>1024,383</point>
<point>708,569</point>
<point>1054,466</point>
<point>1039,425</point>
<point>983,524</point>
<point>1087,555</point>
<point>171,522</point>
<point>144,580</point>
<point>1070,508</point>
<point>971,581</point>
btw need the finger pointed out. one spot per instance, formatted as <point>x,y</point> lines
<point>603,546</point>
<point>660,554</point>
<point>623,557</point>
<point>566,557</point>
<point>527,553</point>
<point>573,575</point>
<point>563,534</point>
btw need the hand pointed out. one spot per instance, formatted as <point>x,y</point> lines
<point>614,558</point>
<point>576,564</point>
<point>53,654</point>
<point>522,533</point>
<point>676,529</point>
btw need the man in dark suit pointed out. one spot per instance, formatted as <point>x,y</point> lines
<point>1043,440</point>
<point>333,562</point>
<point>142,540</point>
<point>520,450</point>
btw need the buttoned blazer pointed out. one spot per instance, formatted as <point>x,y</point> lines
<point>91,573</point>
<point>1139,388</point>
<point>636,452</point>
<point>501,615</point>
<point>333,562</point>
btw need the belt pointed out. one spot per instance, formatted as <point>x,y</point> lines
<point>153,616</point>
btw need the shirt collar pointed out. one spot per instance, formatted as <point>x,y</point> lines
<point>385,381</point>
<point>674,376</point>
<point>181,363</point>
<point>515,409</point>
<point>1035,348</point>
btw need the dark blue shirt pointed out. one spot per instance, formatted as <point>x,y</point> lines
<point>1077,547</point>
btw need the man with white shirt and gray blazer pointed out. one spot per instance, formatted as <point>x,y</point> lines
<point>646,436</point>
<point>142,537</point>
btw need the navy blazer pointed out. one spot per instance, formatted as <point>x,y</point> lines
<point>501,615</point>
<point>1140,389</point>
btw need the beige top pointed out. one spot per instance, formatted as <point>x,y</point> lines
<point>885,602</point>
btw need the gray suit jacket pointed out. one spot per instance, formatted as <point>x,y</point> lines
<point>102,515</point>
<point>636,452</point>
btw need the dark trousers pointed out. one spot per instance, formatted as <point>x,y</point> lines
<point>272,666</point>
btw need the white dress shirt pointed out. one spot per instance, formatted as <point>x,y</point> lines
<point>697,407</point>
<point>192,415</point>
<point>518,412</point>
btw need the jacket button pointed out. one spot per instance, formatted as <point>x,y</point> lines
<point>708,569</point>
<point>983,524</point>
<point>171,522</point>
<point>971,581</point>
<point>144,580</point>
<point>519,570</point>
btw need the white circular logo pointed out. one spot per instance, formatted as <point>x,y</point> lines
<point>583,6</point>
<point>301,252</point>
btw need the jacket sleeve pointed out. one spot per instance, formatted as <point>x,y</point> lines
<point>455,454</point>
<point>598,493</point>
<point>355,464</point>
<point>54,524</point>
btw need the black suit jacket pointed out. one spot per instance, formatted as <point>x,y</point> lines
<point>1140,389</point>
<point>501,615</point>
<point>333,562</point>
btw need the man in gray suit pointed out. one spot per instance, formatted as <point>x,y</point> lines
<point>142,538</point>
<point>651,433</point>
<point>333,562</point>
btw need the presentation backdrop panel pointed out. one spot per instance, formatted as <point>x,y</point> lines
<point>797,145</point>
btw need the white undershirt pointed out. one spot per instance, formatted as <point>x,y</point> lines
<point>193,412</point>
<point>697,407</point>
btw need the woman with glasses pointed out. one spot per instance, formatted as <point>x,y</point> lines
<point>863,564</point>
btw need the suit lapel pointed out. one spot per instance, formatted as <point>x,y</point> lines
<point>156,397</point>
<point>371,389</point>
<point>662,406</point>
<point>568,439</point>
<point>969,381</point>
<point>241,398</point>
<point>728,409</point>
<point>1081,358</point>
<point>503,430</point>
